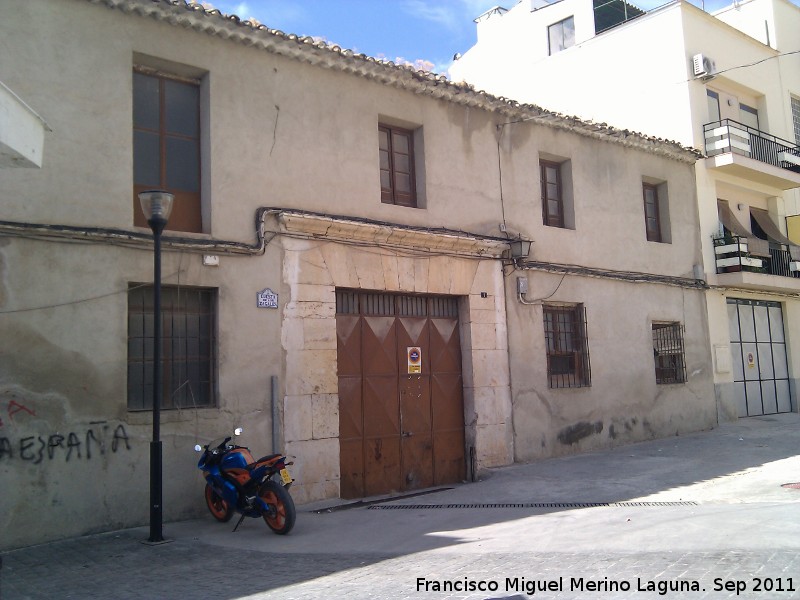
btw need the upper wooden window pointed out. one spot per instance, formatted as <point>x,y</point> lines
<point>166,146</point>
<point>552,194</point>
<point>651,212</point>
<point>396,151</point>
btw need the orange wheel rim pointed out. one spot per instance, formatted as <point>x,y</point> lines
<point>218,505</point>
<point>279,518</point>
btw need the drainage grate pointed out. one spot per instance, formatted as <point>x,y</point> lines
<point>793,486</point>
<point>363,503</point>
<point>532,505</point>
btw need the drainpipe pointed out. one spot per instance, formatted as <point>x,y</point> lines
<point>275,415</point>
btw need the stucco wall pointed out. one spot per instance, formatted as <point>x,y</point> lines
<point>629,59</point>
<point>624,403</point>
<point>66,436</point>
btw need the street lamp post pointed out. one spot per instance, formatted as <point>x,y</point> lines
<point>156,206</point>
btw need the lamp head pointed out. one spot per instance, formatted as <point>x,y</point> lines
<point>519,247</point>
<point>156,206</point>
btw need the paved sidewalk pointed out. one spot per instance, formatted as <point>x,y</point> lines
<point>700,516</point>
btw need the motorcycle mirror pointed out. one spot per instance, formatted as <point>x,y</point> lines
<point>238,431</point>
<point>198,448</point>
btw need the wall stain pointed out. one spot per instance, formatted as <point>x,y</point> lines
<point>575,433</point>
<point>43,376</point>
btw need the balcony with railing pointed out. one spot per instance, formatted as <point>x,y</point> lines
<point>733,257</point>
<point>744,151</point>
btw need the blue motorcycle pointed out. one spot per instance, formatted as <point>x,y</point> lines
<point>235,482</point>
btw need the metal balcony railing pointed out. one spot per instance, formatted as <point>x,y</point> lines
<point>732,255</point>
<point>780,262</point>
<point>731,136</point>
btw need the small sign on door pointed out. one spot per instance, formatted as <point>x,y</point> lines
<point>751,360</point>
<point>414,359</point>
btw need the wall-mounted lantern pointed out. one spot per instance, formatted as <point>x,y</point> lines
<point>519,248</point>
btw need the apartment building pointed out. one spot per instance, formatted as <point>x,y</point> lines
<point>727,83</point>
<point>346,273</point>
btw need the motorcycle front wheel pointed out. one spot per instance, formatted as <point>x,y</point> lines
<point>282,514</point>
<point>219,508</point>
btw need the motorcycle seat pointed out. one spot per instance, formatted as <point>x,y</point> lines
<point>262,460</point>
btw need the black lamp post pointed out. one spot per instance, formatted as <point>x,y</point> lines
<point>156,206</point>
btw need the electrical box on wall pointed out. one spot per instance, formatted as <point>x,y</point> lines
<point>522,285</point>
<point>722,358</point>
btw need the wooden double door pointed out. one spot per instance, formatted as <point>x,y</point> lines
<point>401,406</point>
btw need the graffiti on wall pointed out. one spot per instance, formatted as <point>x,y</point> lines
<point>99,438</point>
<point>15,408</point>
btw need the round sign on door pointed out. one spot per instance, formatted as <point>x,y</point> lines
<point>414,359</point>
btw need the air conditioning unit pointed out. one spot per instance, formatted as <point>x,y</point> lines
<point>703,65</point>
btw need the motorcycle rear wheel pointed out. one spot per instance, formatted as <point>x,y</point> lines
<point>283,512</point>
<point>219,508</point>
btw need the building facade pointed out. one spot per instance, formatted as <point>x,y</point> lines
<point>728,83</point>
<point>338,275</point>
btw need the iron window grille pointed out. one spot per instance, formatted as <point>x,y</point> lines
<point>566,337</point>
<point>349,302</point>
<point>188,324</point>
<point>668,353</point>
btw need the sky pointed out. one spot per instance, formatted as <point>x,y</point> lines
<point>429,31</point>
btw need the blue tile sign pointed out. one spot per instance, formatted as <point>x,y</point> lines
<point>267,299</point>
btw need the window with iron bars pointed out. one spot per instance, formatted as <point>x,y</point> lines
<point>351,302</point>
<point>668,352</point>
<point>188,347</point>
<point>566,337</point>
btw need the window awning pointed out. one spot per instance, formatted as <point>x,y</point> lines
<point>764,221</point>
<point>730,222</point>
<point>755,245</point>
